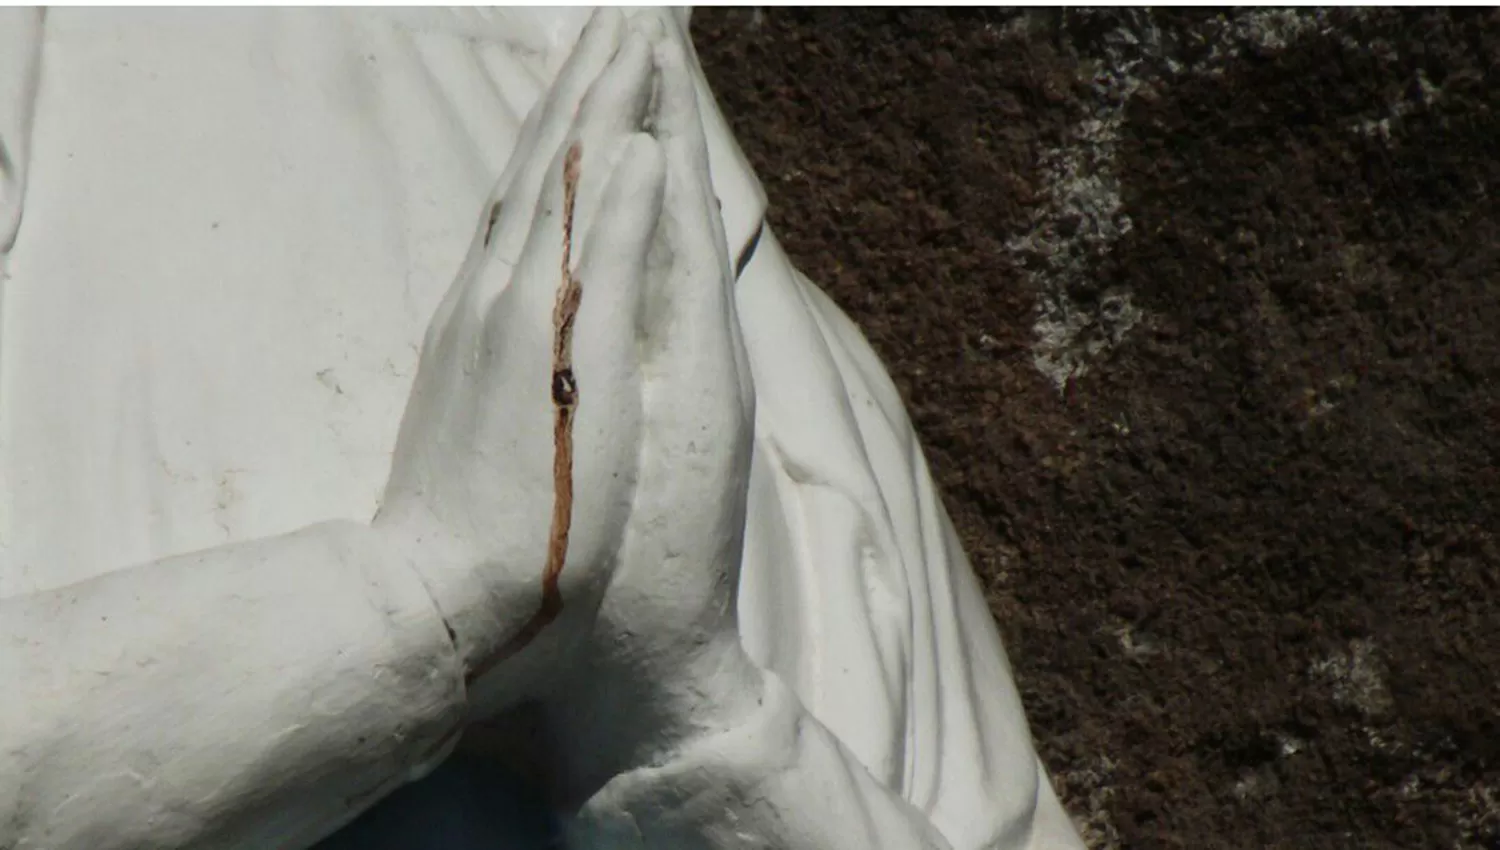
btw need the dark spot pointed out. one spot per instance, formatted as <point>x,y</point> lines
<point>564,388</point>
<point>489,227</point>
<point>748,251</point>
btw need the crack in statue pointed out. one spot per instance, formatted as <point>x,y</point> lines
<point>272,273</point>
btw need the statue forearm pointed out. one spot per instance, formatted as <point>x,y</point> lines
<point>778,778</point>
<point>254,695</point>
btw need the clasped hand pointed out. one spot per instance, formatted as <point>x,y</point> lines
<point>570,474</point>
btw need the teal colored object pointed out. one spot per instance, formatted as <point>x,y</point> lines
<point>466,804</point>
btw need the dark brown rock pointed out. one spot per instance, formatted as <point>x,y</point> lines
<point>1246,559</point>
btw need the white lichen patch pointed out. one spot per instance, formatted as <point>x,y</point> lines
<point>1357,678</point>
<point>1276,29</point>
<point>1478,819</point>
<point>1422,93</point>
<point>1135,646</point>
<point>1080,222</point>
<point>1289,745</point>
<point>1252,786</point>
<point>1087,792</point>
<point>1068,336</point>
<point>1264,31</point>
<point>1083,216</point>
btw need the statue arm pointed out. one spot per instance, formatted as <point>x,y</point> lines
<point>253,695</point>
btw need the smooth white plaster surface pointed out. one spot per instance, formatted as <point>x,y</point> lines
<point>236,228</point>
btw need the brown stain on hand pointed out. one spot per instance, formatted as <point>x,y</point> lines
<point>564,404</point>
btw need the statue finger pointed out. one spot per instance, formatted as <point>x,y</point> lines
<point>707,295</point>
<point>505,223</point>
<point>523,304</point>
<point>679,117</point>
<point>612,269</point>
<point>547,128</point>
<point>596,366</point>
<point>693,308</point>
<point>614,110</point>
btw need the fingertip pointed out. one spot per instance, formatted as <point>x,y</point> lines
<point>634,58</point>
<point>603,27</point>
<point>597,45</point>
<point>677,104</point>
<point>648,22</point>
<point>620,97</point>
<point>668,46</point>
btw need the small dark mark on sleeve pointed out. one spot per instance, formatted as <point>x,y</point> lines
<point>748,251</point>
<point>489,228</point>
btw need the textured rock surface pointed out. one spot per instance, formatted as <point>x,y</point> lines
<point>1197,315</point>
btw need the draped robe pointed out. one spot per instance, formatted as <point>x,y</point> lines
<point>226,232</point>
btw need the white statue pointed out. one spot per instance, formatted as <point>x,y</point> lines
<point>650,521</point>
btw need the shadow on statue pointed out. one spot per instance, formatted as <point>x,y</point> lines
<point>466,804</point>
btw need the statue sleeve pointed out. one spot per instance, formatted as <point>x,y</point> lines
<point>256,695</point>
<point>20,58</point>
<point>856,590</point>
<point>779,779</point>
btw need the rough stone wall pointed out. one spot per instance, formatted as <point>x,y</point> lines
<point>1198,315</point>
